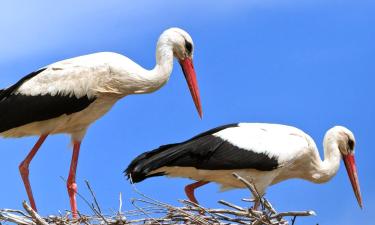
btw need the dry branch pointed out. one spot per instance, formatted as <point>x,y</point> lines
<point>37,219</point>
<point>150,211</point>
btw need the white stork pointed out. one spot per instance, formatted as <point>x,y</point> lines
<point>264,153</point>
<point>69,95</point>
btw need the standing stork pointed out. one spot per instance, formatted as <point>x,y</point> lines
<point>264,153</point>
<point>69,95</point>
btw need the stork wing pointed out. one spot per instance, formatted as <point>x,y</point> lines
<point>20,108</point>
<point>214,153</point>
<point>205,151</point>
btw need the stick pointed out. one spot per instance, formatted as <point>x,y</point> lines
<point>231,205</point>
<point>38,219</point>
<point>16,219</point>
<point>295,213</point>
<point>146,214</point>
<point>250,186</point>
<point>93,195</point>
<point>88,203</point>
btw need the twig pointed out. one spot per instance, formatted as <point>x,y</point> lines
<point>161,203</point>
<point>231,205</point>
<point>294,219</point>
<point>295,213</point>
<point>248,199</point>
<point>88,203</point>
<point>38,219</point>
<point>151,212</point>
<point>145,213</point>
<point>172,209</point>
<point>16,219</point>
<point>143,195</point>
<point>250,186</point>
<point>93,195</point>
<point>268,205</point>
<point>14,211</point>
<point>199,208</point>
<point>120,204</point>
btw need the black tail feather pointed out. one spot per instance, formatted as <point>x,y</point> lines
<point>139,168</point>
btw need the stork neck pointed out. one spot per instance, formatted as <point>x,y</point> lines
<point>159,75</point>
<point>164,60</point>
<point>164,55</point>
<point>326,169</point>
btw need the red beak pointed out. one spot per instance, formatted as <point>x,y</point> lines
<point>352,172</point>
<point>189,72</point>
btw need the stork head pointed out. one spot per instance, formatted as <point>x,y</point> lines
<point>346,143</point>
<point>183,48</point>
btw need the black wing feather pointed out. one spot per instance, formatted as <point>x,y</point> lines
<point>19,109</point>
<point>204,151</point>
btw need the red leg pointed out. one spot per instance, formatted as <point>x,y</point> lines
<point>71,183</point>
<point>24,169</point>
<point>189,190</point>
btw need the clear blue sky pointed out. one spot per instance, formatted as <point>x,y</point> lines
<point>304,63</point>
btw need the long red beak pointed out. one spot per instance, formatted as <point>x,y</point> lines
<point>352,173</point>
<point>189,72</point>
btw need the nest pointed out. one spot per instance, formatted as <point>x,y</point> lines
<point>150,211</point>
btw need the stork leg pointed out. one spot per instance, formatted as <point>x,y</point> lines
<point>24,169</point>
<point>71,182</point>
<point>189,190</point>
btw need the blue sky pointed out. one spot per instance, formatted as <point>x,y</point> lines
<point>303,63</point>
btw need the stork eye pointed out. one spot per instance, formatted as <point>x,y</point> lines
<point>351,144</point>
<point>188,47</point>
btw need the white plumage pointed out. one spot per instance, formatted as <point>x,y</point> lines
<point>270,139</point>
<point>266,154</point>
<point>69,95</point>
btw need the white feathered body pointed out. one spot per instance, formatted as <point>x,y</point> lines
<point>105,76</point>
<point>295,152</point>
